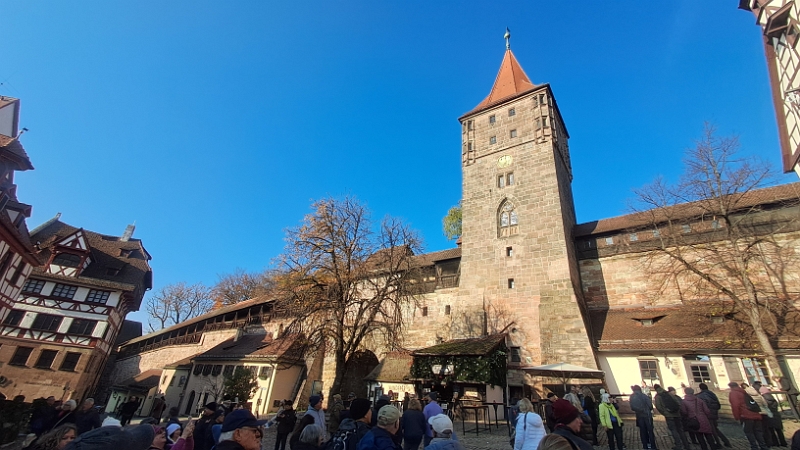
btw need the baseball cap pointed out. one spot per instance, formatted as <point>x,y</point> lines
<point>388,415</point>
<point>239,419</point>
<point>441,423</point>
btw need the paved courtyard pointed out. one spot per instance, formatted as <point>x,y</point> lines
<point>498,437</point>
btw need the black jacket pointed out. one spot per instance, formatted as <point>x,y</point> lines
<point>87,420</point>
<point>307,420</point>
<point>229,445</point>
<point>576,440</point>
<point>286,421</point>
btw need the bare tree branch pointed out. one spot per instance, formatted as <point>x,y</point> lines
<point>176,303</point>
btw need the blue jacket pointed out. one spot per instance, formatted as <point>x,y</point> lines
<point>445,444</point>
<point>377,439</point>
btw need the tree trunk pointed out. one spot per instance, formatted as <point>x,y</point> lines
<point>763,341</point>
<point>341,365</point>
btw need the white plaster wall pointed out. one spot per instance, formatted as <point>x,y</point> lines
<point>622,372</point>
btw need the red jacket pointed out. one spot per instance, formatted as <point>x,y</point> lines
<point>738,406</point>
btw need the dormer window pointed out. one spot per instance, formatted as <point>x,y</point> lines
<point>126,252</point>
<point>67,260</point>
<point>112,271</point>
<point>718,320</point>
<point>650,321</point>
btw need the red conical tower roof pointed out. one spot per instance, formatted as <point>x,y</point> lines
<point>510,81</point>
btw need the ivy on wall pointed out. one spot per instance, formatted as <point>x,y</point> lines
<point>489,369</point>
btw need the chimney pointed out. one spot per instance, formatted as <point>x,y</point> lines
<point>128,234</point>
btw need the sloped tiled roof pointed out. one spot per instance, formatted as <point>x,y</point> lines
<point>766,196</point>
<point>687,326</point>
<point>252,346</point>
<point>395,368</point>
<point>134,270</point>
<point>428,259</point>
<point>15,152</point>
<point>464,347</point>
<point>144,381</point>
<point>511,82</point>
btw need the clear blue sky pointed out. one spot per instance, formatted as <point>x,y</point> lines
<point>214,124</point>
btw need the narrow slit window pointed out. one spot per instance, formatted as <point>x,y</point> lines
<point>512,112</point>
<point>509,252</point>
<point>513,133</point>
<point>511,283</point>
<point>492,119</point>
<point>493,140</point>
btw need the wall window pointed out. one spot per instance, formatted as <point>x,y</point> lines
<point>512,112</point>
<point>511,283</point>
<point>14,317</point>
<point>424,311</point>
<point>207,369</point>
<point>83,327</point>
<point>33,286</point>
<point>516,354</point>
<point>46,358</point>
<point>21,355</point>
<point>67,260</point>
<point>492,120</point>
<point>508,215</point>
<point>509,252</point>
<point>5,263</point>
<point>17,272</point>
<point>501,181</point>
<point>715,224</point>
<point>216,370</point>
<point>513,133</point>
<point>227,371</point>
<point>542,99</point>
<point>265,372</point>
<point>686,228</point>
<point>96,296</point>
<point>447,310</point>
<point>649,371</point>
<point>633,237</point>
<point>46,322</point>
<point>70,362</point>
<point>538,124</point>
<point>64,290</point>
<point>656,233</point>
<point>493,140</point>
<point>609,241</point>
<point>510,178</point>
<point>469,125</point>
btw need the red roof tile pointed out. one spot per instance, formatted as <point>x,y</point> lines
<point>511,81</point>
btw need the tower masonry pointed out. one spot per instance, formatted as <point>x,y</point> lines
<point>518,264</point>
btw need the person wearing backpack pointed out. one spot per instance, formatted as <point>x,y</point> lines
<point>748,413</point>
<point>712,402</point>
<point>643,407</point>
<point>670,407</point>
<point>353,428</point>
<point>696,413</point>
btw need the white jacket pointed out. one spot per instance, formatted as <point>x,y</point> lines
<point>530,431</point>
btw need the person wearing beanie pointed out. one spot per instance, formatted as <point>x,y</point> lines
<point>203,437</point>
<point>286,419</point>
<point>430,410</point>
<point>314,415</point>
<point>568,423</point>
<point>382,436</point>
<point>354,427</point>
<point>609,418</point>
<point>548,411</point>
<point>335,413</point>
<point>643,407</point>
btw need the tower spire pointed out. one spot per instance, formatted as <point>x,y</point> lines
<point>508,39</point>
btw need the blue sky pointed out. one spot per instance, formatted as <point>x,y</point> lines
<point>213,125</point>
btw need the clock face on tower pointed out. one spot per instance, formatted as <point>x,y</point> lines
<point>504,161</point>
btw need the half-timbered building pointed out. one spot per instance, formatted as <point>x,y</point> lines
<point>17,257</point>
<point>779,21</point>
<point>61,328</point>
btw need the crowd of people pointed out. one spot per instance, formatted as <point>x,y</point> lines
<point>570,423</point>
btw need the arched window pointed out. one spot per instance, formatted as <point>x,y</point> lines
<point>507,219</point>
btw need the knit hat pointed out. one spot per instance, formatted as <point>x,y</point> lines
<point>564,412</point>
<point>171,428</point>
<point>212,406</point>
<point>351,396</point>
<point>388,415</point>
<point>359,408</point>
<point>314,399</point>
<point>111,422</point>
<point>133,438</point>
<point>441,423</point>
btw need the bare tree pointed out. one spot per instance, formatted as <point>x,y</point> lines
<point>240,286</point>
<point>176,303</point>
<point>345,282</point>
<point>716,242</point>
<point>215,386</point>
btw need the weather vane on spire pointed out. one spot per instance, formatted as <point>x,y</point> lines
<point>508,39</point>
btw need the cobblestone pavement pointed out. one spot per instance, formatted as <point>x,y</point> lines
<point>498,438</point>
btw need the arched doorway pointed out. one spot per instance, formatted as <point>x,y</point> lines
<point>358,366</point>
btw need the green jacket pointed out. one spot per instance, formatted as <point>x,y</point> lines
<point>660,404</point>
<point>607,410</point>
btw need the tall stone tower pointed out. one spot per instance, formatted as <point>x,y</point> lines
<point>518,258</point>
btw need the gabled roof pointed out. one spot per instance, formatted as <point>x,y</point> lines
<point>766,196</point>
<point>395,368</point>
<point>480,346</point>
<point>511,82</point>
<point>143,381</point>
<point>107,252</point>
